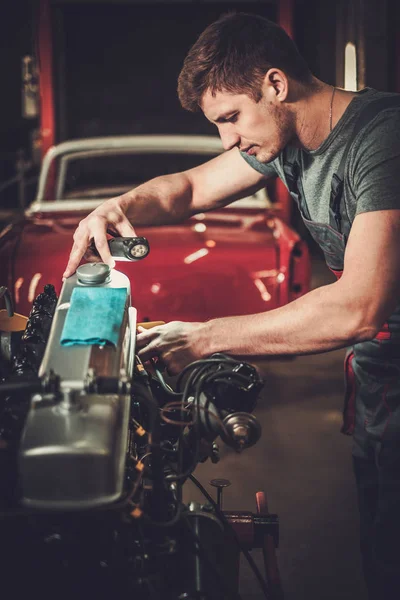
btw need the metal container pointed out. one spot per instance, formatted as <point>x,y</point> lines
<point>73,448</point>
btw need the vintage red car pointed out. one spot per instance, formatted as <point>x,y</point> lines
<point>241,259</point>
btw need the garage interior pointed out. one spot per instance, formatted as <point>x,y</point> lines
<point>114,71</point>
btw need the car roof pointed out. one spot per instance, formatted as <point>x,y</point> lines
<point>111,145</point>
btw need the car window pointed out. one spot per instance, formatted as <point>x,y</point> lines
<point>103,176</point>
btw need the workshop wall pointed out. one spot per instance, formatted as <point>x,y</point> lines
<point>119,64</point>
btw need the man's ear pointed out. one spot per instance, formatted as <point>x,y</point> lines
<point>276,84</point>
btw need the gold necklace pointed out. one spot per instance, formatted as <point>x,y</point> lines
<point>330,110</point>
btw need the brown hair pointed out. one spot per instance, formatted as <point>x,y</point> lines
<point>233,54</point>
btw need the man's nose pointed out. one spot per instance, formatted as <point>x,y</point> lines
<point>229,138</point>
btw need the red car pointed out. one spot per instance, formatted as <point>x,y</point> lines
<point>241,259</point>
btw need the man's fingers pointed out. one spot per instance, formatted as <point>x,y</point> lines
<point>102,248</point>
<point>125,229</point>
<point>78,250</point>
<point>82,249</point>
<point>89,256</point>
<point>148,352</point>
<point>145,336</point>
<point>94,227</point>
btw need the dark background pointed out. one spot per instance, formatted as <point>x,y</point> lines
<point>133,56</point>
<point>116,62</point>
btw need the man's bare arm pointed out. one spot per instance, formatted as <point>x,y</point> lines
<point>350,310</point>
<point>173,198</point>
<point>165,200</point>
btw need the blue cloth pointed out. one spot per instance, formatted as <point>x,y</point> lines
<point>94,316</point>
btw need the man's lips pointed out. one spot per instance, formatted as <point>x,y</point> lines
<point>250,150</point>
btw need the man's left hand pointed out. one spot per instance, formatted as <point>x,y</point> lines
<point>177,344</point>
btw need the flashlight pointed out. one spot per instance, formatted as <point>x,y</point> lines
<point>126,248</point>
<point>129,248</point>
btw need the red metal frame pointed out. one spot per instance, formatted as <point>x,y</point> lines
<point>269,554</point>
<point>46,89</point>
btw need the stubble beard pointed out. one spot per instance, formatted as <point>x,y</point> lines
<point>285,130</point>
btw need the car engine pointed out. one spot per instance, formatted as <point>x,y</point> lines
<point>95,448</point>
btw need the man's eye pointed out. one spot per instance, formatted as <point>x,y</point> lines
<point>231,119</point>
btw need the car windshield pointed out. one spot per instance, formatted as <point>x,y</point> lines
<point>103,175</point>
<point>94,175</point>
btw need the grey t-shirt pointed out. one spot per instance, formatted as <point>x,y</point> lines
<point>372,172</point>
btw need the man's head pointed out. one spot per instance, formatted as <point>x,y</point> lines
<point>238,73</point>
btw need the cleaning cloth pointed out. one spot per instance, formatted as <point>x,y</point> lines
<point>94,316</point>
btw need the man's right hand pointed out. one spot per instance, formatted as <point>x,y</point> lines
<point>94,228</point>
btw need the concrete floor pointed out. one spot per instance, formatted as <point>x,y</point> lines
<point>303,462</point>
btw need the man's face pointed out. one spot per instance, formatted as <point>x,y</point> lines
<point>262,129</point>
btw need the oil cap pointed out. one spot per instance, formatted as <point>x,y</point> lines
<point>93,273</point>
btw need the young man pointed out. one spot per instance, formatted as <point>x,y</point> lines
<point>275,117</point>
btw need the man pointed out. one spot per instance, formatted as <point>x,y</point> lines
<point>275,117</point>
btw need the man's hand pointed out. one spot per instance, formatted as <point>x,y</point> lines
<point>94,228</point>
<point>177,344</point>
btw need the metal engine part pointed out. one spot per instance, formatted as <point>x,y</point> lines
<point>74,443</point>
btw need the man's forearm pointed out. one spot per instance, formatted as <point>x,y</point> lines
<point>161,201</point>
<point>320,321</point>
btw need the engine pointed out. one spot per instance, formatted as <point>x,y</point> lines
<point>95,448</point>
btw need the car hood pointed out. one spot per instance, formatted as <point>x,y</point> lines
<point>216,264</point>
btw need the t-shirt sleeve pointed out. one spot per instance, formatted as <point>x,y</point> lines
<point>375,172</point>
<point>268,170</point>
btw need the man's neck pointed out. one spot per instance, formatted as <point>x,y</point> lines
<point>318,112</point>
